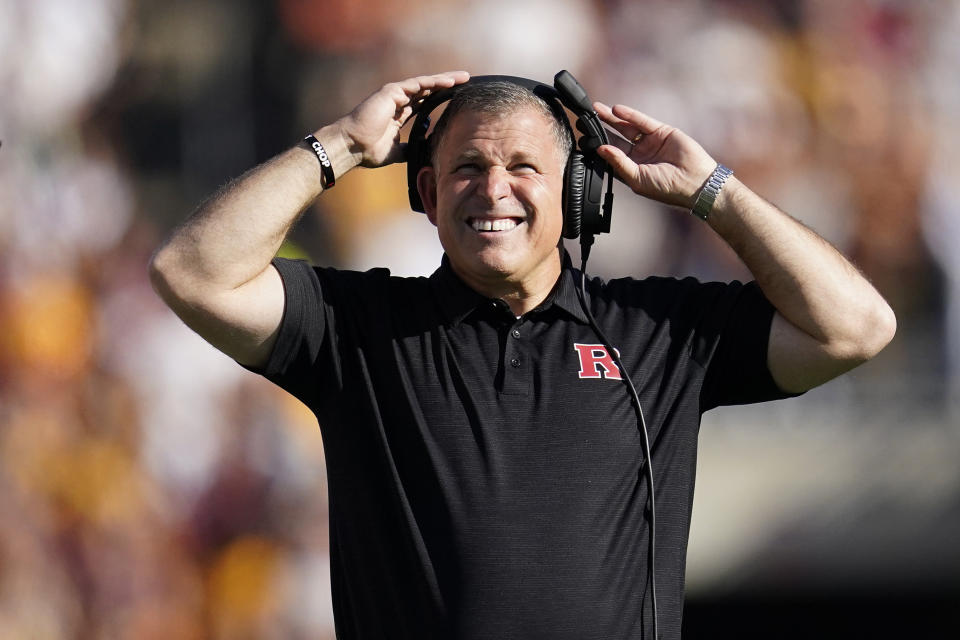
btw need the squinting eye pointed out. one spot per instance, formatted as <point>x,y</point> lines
<point>523,169</point>
<point>468,168</point>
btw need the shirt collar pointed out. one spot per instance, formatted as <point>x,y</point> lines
<point>457,300</point>
<point>566,294</point>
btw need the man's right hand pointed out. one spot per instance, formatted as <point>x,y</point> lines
<point>215,270</point>
<point>371,131</point>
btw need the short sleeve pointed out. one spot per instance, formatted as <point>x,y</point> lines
<point>737,371</point>
<point>302,330</point>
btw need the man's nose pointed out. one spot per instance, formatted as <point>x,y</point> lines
<point>495,184</point>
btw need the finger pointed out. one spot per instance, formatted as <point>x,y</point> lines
<point>617,140</point>
<point>623,167</point>
<point>422,85</point>
<point>404,111</point>
<point>644,123</point>
<point>628,130</point>
<point>412,91</point>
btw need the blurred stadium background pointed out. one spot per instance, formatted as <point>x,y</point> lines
<point>151,488</point>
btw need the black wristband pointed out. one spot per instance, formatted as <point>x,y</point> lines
<point>325,165</point>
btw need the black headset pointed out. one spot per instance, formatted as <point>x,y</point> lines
<point>585,212</point>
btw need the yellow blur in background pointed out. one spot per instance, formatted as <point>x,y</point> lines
<point>152,488</point>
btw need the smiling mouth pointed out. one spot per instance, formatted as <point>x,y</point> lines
<point>483,225</point>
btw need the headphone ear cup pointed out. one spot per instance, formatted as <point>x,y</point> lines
<point>418,156</point>
<point>573,185</point>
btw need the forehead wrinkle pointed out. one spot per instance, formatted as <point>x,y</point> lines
<point>485,147</point>
<point>471,152</point>
<point>507,109</point>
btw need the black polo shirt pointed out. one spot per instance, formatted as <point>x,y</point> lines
<point>485,470</point>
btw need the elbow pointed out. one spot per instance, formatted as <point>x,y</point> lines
<point>159,271</point>
<point>875,331</point>
<point>155,271</point>
<point>888,327</point>
<point>881,329</point>
<point>167,276</point>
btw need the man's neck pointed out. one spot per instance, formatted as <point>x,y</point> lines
<point>524,294</point>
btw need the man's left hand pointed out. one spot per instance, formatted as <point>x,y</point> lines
<point>655,160</point>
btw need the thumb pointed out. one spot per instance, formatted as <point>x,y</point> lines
<point>397,153</point>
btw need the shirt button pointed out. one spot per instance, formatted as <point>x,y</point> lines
<point>515,363</point>
<point>516,333</point>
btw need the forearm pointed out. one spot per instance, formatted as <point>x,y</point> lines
<point>829,318</point>
<point>808,281</point>
<point>234,235</point>
<point>214,271</point>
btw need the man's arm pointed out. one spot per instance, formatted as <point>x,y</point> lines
<point>829,317</point>
<point>214,271</point>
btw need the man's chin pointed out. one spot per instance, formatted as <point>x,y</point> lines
<point>486,266</point>
<point>502,269</point>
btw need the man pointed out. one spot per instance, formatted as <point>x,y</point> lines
<point>484,463</point>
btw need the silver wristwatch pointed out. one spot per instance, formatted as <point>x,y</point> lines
<point>709,191</point>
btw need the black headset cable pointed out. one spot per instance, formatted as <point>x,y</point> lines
<point>586,241</point>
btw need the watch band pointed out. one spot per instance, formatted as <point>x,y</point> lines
<point>709,191</point>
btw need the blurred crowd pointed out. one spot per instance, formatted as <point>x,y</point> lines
<point>152,488</point>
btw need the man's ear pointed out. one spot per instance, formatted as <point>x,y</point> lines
<point>427,186</point>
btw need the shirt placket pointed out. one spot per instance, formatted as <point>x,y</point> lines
<point>517,368</point>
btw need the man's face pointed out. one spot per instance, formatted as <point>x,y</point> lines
<point>495,195</point>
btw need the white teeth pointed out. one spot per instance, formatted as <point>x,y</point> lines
<point>500,224</point>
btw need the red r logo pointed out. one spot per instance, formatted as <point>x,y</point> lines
<point>592,358</point>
